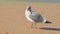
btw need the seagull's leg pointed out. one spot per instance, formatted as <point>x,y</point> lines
<point>32,25</point>
<point>35,24</point>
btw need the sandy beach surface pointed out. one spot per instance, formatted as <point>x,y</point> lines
<point>13,20</point>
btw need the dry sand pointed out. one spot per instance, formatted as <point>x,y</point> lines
<point>13,21</point>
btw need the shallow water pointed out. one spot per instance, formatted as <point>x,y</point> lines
<point>49,1</point>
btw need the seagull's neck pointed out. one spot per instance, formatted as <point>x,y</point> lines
<point>28,12</point>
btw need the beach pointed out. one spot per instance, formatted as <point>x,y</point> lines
<point>13,20</point>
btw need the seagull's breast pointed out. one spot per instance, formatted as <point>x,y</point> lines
<point>27,13</point>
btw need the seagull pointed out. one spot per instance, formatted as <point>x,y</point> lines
<point>34,17</point>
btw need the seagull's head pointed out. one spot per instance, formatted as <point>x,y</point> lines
<point>29,8</point>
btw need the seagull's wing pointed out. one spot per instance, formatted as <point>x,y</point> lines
<point>36,17</point>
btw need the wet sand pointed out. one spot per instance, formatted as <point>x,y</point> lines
<point>13,21</point>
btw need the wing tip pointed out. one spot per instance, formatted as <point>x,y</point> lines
<point>48,22</point>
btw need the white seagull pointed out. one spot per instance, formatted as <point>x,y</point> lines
<point>34,16</point>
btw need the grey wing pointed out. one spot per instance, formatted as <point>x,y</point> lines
<point>36,17</point>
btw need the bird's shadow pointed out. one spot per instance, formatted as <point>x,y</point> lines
<point>53,29</point>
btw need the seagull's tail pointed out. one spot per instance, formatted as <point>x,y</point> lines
<point>48,22</point>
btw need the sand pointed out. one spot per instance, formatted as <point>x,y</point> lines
<point>13,20</point>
